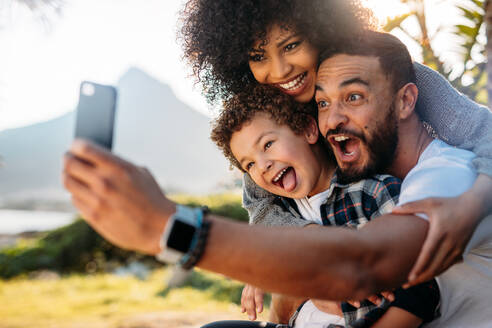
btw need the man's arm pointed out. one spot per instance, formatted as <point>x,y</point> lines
<point>283,307</point>
<point>126,206</point>
<point>326,263</point>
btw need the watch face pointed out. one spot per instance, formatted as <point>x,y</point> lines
<point>181,236</point>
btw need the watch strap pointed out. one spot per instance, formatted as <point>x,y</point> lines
<point>195,254</point>
<point>193,217</point>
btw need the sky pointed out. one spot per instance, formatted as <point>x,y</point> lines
<point>41,66</point>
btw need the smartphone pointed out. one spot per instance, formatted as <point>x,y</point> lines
<point>96,113</point>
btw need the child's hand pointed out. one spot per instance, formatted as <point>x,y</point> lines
<point>252,301</point>
<point>375,299</point>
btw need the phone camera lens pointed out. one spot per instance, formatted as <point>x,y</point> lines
<point>88,89</point>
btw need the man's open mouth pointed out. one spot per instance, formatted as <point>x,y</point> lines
<point>346,148</point>
<point>285,178</point>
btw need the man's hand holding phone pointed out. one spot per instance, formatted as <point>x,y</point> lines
<point>119,200</point>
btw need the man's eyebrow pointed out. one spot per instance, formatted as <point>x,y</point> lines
<point>355,80</point>
<point>256,143</point>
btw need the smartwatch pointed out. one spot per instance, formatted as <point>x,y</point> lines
<point>180,235</point>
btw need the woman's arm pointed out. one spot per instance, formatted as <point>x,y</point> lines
<point>455,118</point>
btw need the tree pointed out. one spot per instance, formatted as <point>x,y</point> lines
<point>471,79</point>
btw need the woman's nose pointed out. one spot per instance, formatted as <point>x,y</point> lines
<point>279,69</point>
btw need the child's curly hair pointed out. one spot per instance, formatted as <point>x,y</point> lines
<point>242,108</point>
<point>217,35</point>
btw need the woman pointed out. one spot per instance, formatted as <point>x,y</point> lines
<point>231,44</point>
<point>218,36</point>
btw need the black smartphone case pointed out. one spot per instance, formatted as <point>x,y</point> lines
<point>96,113</point>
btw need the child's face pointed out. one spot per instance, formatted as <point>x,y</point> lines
<point>277,159</point>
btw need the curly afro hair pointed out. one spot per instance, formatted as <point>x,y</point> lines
<point>241,109</point>
<point>217,35</point>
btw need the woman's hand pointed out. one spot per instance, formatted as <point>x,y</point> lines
<point>252,301</point>
<point>452,222</point>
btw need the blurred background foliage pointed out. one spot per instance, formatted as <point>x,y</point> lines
<point>78,248</point>
<point>469,77</point>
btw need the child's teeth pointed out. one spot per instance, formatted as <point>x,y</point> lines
<point>279,175</point>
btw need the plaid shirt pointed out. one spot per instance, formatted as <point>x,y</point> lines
<point>353,205</point>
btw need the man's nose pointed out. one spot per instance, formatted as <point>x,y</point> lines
<point>331,119</point>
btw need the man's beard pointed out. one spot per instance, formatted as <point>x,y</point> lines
<point>381,147</point>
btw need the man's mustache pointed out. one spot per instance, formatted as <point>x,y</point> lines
<point>346,132</point>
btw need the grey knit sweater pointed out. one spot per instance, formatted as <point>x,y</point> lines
<point>456,119</point>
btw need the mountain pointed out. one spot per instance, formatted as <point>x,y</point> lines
<point>153,129</point>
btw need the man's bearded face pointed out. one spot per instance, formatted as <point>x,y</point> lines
<point>357,114</point>
<point>380,146</point>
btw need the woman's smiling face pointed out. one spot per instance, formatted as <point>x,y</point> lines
<point>287,61</point>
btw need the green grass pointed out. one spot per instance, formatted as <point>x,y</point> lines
<point>108,298</point>
<point>100,299</point>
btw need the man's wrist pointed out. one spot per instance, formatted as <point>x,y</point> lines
<point>158,229</point>
<point>184,237</point>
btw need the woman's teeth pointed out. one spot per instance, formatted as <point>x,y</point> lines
<point>279,175</point>
<point>294,84</point>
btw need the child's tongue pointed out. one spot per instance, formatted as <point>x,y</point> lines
<point>289,180</point>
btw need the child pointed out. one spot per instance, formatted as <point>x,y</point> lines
<point>275,140</point>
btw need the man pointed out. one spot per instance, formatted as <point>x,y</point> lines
<point>125,204</point>
<point>372,127</point>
